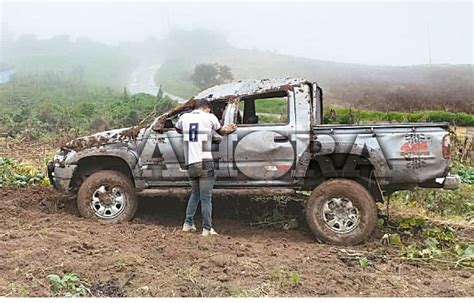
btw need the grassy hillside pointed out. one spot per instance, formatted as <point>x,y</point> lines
<point>45,104</point>
<point>384,88</point>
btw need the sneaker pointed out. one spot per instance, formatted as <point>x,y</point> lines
<point>211,232</point>
<point>189,227</point>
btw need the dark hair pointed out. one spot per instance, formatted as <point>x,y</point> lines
<point>202,103</point>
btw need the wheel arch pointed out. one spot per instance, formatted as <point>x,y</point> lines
<point>88,165</point>
<point>344,166</point>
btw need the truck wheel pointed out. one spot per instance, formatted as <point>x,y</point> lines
<point>341,212</point>
<point>107,196</point>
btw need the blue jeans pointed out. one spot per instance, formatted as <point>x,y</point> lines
<point>202,177</point>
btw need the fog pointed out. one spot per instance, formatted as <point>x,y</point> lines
<point>377,33</point>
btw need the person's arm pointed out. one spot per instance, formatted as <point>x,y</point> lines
<point>222,130</point>
<point>227,129</point>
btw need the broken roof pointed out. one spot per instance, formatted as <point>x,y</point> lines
<point>248,87</point>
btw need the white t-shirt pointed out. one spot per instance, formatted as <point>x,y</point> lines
<point>197,127</point>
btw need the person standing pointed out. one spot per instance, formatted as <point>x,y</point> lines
<point>197,128</point>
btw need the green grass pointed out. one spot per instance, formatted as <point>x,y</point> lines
<point>353,116</point>
<point>439,203</point>
<point>272,105</point>
<point>47,103</point>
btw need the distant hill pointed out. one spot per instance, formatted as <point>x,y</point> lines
<point>445,87</point>
<point>406,88</point>
<point>82,59</point>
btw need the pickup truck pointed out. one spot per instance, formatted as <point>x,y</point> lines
<point>280,147</point>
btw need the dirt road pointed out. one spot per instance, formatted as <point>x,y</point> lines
<point>152,257</point>
<point>142,80</point>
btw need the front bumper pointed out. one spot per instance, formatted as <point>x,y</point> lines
<point>60,176</point>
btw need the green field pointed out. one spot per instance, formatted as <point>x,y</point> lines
<point>44,104</point>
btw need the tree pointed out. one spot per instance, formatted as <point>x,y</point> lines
<point>207,75</point>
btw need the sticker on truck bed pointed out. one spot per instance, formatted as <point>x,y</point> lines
<point>414,149</point>
<point>415,145</point>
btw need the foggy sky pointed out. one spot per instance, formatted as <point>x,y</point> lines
<point>355,32</point>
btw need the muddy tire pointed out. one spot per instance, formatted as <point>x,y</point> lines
<point>108,196</point>
<point>341,212</point>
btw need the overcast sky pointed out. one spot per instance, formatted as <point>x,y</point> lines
<point>357,32</point>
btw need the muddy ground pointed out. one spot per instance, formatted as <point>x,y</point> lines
<point>41,234</point>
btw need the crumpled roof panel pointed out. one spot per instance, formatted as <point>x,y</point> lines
<point>248,87</point>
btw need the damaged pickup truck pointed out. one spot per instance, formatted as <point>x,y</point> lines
<point>348,168</point>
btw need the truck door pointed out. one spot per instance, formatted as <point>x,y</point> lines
<point>162,157</point>
<point>261,150</point>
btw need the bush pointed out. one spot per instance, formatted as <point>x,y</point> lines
<point>343,115</point>
<point>70,285</point>
<point>17,174</point>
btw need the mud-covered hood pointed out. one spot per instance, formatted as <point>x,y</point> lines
<point>113,136</point>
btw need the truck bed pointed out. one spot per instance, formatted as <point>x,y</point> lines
<point>403,154</point>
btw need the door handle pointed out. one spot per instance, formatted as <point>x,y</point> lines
<point>280,139</point>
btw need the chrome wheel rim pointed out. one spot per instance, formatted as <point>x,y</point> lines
<point>108,202</point>
<point>340,215</point>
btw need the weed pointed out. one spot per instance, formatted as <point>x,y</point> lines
<point>262,290</point>
<point>14,173</point>
<point>392,239</point>
<point>456,203</point>
<point>19,290</point>
<point>436,244</point>
<point>295,278</point>
<point>285,277</point>
<point>444,235</point>
<point>411,223</point>
<point>363,261</point>
<point>70,285</point>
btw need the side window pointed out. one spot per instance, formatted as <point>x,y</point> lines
<point>218,108</point>
<point>264,109</point>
